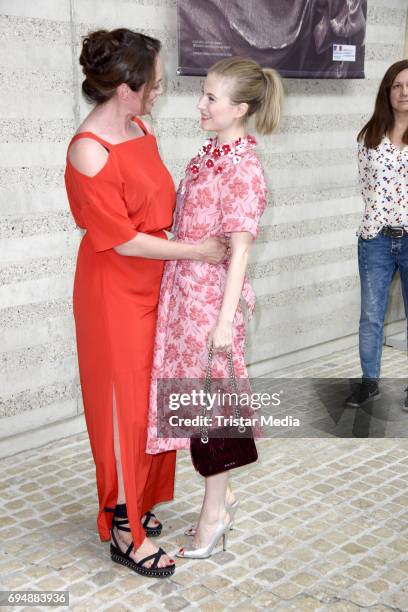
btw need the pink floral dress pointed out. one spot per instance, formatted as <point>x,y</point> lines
<point>223,191</point>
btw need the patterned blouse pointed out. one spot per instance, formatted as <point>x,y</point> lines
<point>383,174</point>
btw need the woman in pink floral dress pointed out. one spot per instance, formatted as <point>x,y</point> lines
<point>223,193</point>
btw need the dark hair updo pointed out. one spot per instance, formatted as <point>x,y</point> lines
<point>109,58</point>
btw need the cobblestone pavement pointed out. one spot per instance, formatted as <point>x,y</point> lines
<point>322,525</point>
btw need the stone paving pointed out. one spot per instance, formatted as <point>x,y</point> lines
<point>322,525</point>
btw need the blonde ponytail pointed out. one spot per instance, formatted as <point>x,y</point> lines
<point>268,115</point>
<point>260,88</point>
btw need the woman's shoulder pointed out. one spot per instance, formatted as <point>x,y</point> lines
<point>383,143</point>
<point>247,171</point>
<point>248,162</point>
<point>253,158</point>
<point>87,155</point>
<point>374,155</point>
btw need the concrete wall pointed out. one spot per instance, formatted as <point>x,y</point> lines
<point>303,267</point>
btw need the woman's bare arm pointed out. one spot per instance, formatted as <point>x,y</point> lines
<point>211,250</point>
<point>221,335</point>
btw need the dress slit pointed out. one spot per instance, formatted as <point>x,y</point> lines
<point>152,481</point>
<point>133,488</point>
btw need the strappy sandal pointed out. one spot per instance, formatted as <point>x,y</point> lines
<point>151,532</point>
<point>120,513</point>
<point>153,571</point>
<point>122,558</point>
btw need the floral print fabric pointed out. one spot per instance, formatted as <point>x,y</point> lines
<point>383,174</point>
<point>228,195</point>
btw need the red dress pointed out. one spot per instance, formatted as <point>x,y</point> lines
<point>115,309</point>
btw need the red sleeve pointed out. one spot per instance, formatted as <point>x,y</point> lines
<point>103,210</point>
<point>243,196</point>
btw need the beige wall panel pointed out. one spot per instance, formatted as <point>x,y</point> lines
<point>14,154</point>
<point>310,244</point>
<point>31,56</point>
<point>52,105</point>
<point>303,267</point>
<point>31,333</point>
<point>283,273</point>
<point>38,376</point>
<point>18,202</point>
<point>132,14</point>
<point>26,249</point>
<point>15,294</point>
<point>32,419</point>
<point>45,9</point>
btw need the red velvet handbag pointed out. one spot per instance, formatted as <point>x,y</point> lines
<point>215,452</point>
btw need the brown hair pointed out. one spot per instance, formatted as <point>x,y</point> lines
<point>109,58</point>
<point>260,88</point>
<point>382,120</point>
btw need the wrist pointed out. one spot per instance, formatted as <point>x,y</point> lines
<point>197,252</point>
<point>224,320</point>
<point>190,251</point>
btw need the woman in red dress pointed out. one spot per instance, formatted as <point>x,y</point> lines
<point>120,192</point>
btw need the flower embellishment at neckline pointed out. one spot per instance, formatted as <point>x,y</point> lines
<point>213,152</point>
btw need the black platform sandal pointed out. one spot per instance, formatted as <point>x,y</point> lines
<point>120,513</point>
<point>118,556</point>
<point>151,532</point>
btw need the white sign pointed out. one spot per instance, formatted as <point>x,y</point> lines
<point>344,53</point>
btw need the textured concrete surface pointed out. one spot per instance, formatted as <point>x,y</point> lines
<point>322,525</point>
<point>303,268</point>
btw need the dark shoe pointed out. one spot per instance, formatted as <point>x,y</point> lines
<point>121,517</point>
<point>405,405</point>
<point>151,532</point>
<point>124,557</point>
<point>364,392</point>
<point>153,571</point>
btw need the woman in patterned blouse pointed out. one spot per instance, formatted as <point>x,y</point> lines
<point>383,233</point>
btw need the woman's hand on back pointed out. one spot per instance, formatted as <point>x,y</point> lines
<point>213,250</point>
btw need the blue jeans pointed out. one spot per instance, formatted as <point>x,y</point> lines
<point>378,260</point>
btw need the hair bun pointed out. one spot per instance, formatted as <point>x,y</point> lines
<point>97,50</point>
<point>110,58</point>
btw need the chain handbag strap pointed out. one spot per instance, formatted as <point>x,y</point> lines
<point>207,390</point>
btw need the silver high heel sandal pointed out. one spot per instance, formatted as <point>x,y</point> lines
<point>231,509</point>
<point>221,530</point>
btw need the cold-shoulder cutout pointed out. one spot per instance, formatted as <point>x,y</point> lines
<point>88,155</point>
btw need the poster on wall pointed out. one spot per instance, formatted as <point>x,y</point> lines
<point>299,38</point>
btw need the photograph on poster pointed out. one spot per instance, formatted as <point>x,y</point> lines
<point>299,38</point>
